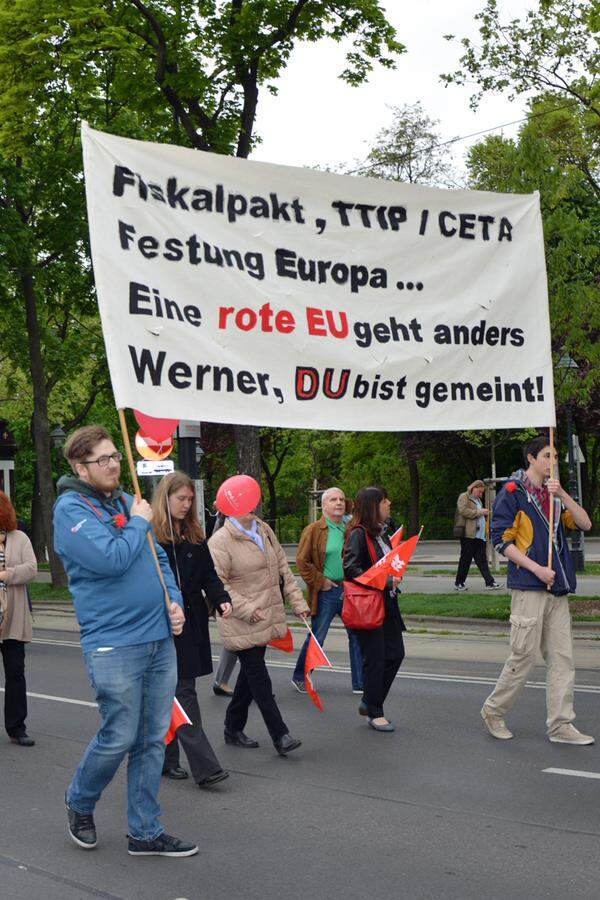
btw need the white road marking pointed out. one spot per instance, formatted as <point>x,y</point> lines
<point>576,773</point>
<point>59,699</point>
<point>414,676</point>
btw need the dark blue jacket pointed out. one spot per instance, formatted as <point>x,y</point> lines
<point>118,597</point>
<point>518,518</point>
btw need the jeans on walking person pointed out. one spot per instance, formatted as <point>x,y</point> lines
<point>134,690</point>
<point>329,606</point>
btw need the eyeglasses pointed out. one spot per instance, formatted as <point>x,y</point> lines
<point>103,461</point>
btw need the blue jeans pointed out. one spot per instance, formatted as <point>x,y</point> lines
<point>329,605</point>
<point>134,688</point>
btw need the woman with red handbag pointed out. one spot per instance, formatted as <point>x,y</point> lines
<point>377,621</point>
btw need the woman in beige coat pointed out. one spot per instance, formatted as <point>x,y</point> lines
<point>17,566</point>
<point>254,570</point>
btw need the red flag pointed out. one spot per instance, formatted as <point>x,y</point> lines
<point>394,563</point>
<point>401,557</point>
<point>378,574</point>
<point>286,643</point>
<point>179,717</point>
<point>396,538</point>
<point>315,658</point>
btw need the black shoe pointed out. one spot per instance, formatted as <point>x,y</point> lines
<point>23,740</point>
<point>363,709</point>
<point>81,828</point>
<point>221,692</point>
<point>163,845</point>
<point>174,772</point>
<point>239,739</point>
<point>215,778</point>
<point>286,743</point>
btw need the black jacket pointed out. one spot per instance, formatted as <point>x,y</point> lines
<point>357,559</point>
<point>201,588</point>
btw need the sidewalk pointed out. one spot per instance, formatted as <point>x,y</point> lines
<point>455,640</point>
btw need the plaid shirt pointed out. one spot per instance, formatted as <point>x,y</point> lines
<point>541,493</point>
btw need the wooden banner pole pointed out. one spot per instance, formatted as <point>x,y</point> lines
<point>138,496</point>
<point>551,510</point>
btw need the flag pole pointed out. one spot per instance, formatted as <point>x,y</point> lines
<point>138,496</point>
<point>551,510</point>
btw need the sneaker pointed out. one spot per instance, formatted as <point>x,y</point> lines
<point>460,587</point>
<point>496,726</point>
<point>568,734</point>
<point>358,691</point>
<point>299,685</point>
<point>81,828</point>
<point>163,845</point>
<point>494,586</point>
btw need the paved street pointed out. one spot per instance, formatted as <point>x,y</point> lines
<point>437,809</point>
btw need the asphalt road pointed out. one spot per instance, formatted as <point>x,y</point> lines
<point>436,810</point>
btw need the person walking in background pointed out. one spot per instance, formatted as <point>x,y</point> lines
<point>319,561</point>
<point>540,619</point>
<point>178,530</point>
<point>18,566</point>
<point>252,565</point>
<point>470,526</point>
<point>382,648</point>
<point>101,535</point>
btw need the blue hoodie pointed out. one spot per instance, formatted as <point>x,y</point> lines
<point>119,600</point>
<point>519,519</point>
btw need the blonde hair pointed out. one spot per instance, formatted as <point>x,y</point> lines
<point>476,484</point>
<point>188,529</point>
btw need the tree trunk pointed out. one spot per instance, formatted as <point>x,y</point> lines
<point>41,428</point>
<point>413,473</point>
<point>247,446</point>
<point>37,528</point>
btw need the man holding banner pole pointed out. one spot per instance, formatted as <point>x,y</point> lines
<point>530,507</point>
<point>103,537</point>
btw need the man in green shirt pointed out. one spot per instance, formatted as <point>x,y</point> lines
<point>319,560</point>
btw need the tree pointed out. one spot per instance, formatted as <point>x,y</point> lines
<point>571,217</point>
<point>410,149</point>
<point>275,444</point>
<point>553,50</point>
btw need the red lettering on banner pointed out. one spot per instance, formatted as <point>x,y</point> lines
<point>316,320</point>
<point>247,319</point>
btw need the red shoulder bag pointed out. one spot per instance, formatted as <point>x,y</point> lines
<point>363,607</point>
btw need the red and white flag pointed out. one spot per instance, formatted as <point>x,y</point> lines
<point>315,658</point>
<point>394,563</point>
<point>400,557</point>
<point>179,717</point>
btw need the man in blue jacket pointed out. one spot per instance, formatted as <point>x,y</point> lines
<point>540,618</point>
<point>101,535</point>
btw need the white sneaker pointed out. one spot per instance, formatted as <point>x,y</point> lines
<point>568,734</point>
<point>494,586</point>
<point>496,726</point>
<point>460,587</point>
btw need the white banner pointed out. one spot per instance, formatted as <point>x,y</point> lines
<point>237,291</point>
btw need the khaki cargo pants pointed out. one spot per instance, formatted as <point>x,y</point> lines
<point>539,622</point>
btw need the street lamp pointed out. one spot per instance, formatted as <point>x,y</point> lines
<point>58,437</point>
<point>567,363</point>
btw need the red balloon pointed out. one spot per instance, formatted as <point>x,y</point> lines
<point>159,429</point>
<point>238,496</point>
